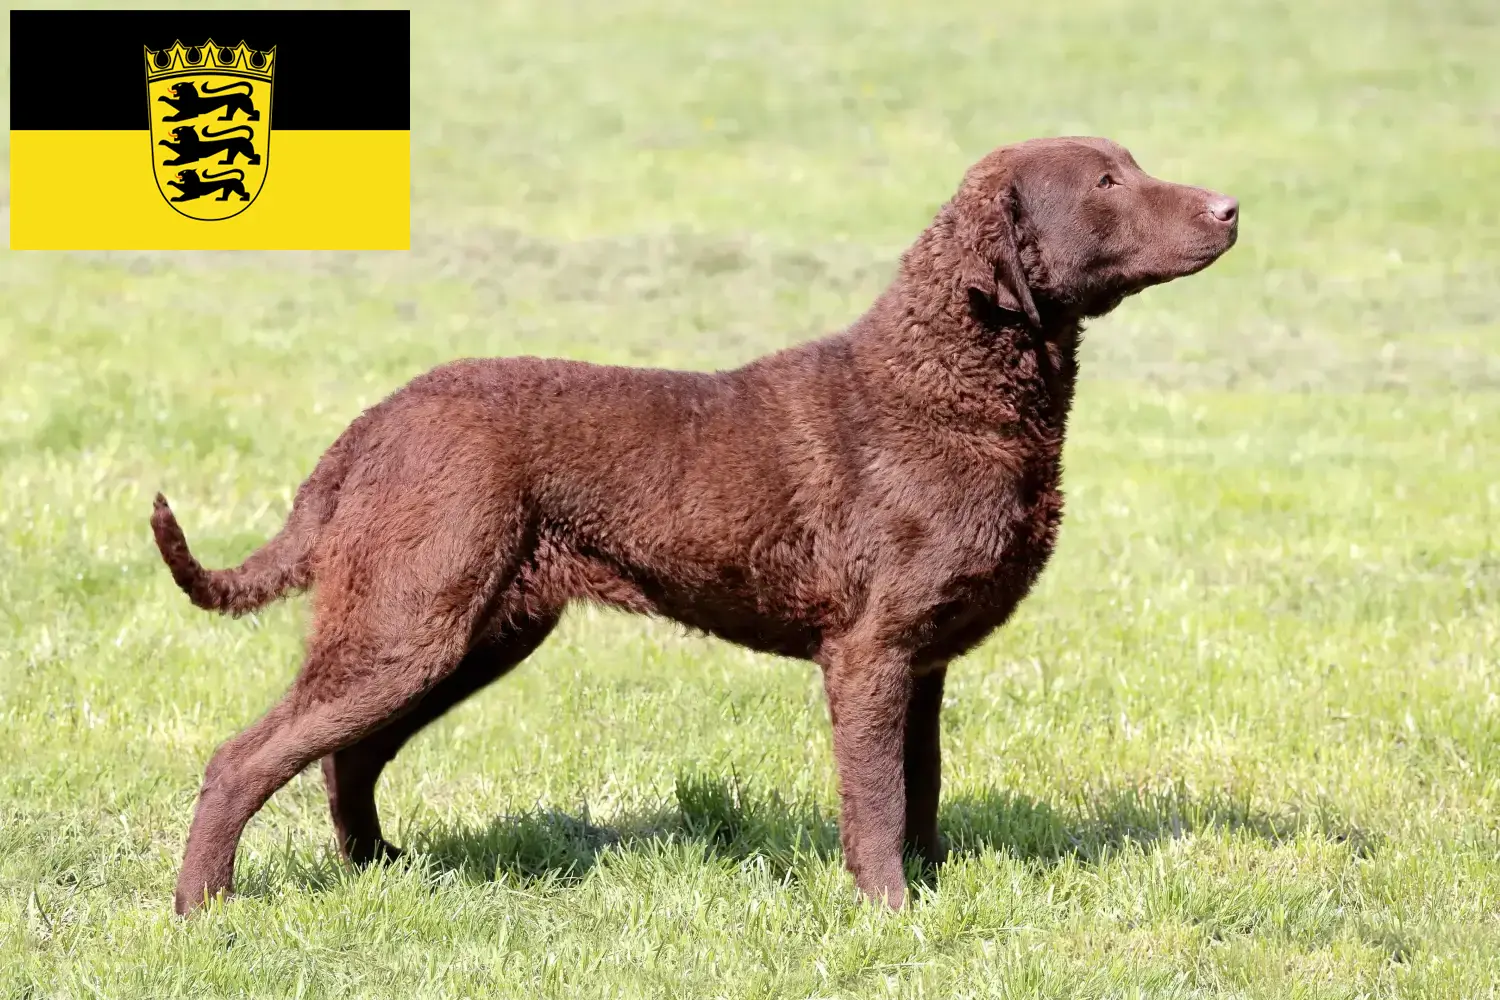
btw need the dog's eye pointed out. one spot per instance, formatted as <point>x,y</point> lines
<point>1106,181</point>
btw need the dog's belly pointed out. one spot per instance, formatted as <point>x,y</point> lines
<point>760,632</point>
<point>721,602</point>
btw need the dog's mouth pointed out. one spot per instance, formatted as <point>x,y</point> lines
<point>1199,257</point>
<point>1189,261</point>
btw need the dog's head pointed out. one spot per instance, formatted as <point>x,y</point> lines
<point>1075,225</point>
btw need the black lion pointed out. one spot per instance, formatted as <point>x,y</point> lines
<point>192,186</point>
<point>189,147</point>
<point>188,103</point>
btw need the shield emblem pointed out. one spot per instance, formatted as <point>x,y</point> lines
<point>210,109</point>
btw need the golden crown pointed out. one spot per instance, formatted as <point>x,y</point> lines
<point>210,57</point>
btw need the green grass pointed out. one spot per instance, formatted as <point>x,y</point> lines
<point>1241,741</point>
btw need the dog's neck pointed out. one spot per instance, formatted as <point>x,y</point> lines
<point>935,347</point>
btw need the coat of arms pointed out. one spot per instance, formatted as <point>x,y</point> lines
<point>210,108</point>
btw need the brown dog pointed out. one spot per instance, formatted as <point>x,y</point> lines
<point>877,502</point>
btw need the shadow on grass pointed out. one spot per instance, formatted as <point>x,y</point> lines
<point>725,820</point>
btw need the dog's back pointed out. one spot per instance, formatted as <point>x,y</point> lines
<point>700,497</point>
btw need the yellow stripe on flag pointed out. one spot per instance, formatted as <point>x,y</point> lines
<point>324,190</point>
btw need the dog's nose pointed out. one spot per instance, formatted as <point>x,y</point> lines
<point>1224,208</point>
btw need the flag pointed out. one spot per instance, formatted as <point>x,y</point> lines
<point>188,130</point>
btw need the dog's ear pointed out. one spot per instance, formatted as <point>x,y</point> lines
<point>990,256</point>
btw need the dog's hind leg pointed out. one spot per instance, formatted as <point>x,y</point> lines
<point>351,773</point>
<point>306,725</point>
<point>394,618</point>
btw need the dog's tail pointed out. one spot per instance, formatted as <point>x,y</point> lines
<point>283,564</point>
<point>280,565</point>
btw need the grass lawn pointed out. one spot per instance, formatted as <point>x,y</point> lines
<point>1241,741</point>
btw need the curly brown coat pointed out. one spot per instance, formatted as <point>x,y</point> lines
<point>878,502</point>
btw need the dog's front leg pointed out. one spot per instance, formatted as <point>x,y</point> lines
<point>869,688</point>
<point>924,765</point>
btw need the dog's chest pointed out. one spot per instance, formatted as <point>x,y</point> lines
<point>1002,537</point>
